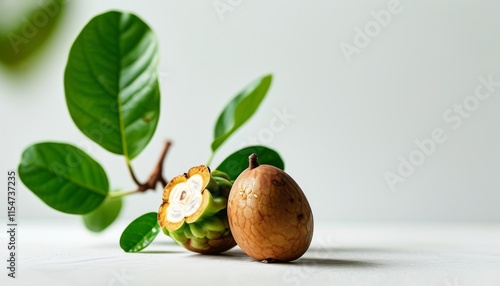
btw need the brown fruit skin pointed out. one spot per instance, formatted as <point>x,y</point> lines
<point>269,215</point>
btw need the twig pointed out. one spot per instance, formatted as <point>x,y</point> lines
<point>157,174</point>
<point>131,171</point>
<point>121,193</point>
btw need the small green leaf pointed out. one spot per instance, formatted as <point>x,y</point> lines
<point>64,177</point>
<point>111,83</point>
<point>238,161</point>
<point>102,217</point>
<point>240,109</point>
<point>140,233</point>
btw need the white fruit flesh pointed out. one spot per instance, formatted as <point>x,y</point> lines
<point>185,199</point>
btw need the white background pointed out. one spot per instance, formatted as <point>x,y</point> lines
<point>352,119</point>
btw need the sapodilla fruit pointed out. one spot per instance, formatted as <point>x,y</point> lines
<point>193,211</point>
<point>269,215</point>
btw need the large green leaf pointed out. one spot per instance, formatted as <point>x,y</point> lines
<point>240,109</point>
<point>111,82</point>
<point>64,177</point>
<point>238,161</point>
<point>140,233</point>
<point>102,217</point>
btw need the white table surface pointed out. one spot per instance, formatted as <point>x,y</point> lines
<point>64,253</point>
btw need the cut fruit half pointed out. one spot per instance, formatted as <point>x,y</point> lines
<point>192,204</point>
<point>183,197</point>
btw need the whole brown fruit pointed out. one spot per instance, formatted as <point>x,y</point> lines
<point>269,215</point>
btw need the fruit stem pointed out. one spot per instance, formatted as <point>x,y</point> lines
<point>253,161</point>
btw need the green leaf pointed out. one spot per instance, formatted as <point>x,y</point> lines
<point>25,28</point>
<point>64,177</point>
<point>238,161</point>
<point>240,109</point>
<point>140,233</point>
<point>102,217</point>
<point>111,83</point>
